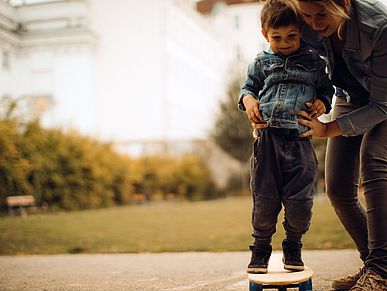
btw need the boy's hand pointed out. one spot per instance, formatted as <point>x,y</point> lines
<point>252,109</point>
<point>316,108</point>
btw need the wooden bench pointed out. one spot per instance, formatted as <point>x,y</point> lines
<point>138,198</point>
<point>20,203</point>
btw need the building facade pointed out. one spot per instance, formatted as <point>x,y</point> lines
<point>47,55</point>
<point>124,70</point>
<point>118,70</point>
<point>147,74</point>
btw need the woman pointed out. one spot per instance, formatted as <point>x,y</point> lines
<point>352,36</point>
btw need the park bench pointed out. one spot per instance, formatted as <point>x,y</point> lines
<point>138,198</point>
<point>20,204</point>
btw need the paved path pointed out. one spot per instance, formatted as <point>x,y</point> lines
<point>165,271</point>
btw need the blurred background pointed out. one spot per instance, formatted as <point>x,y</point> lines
<point>124,102</point>
<point>147,77</point>
<point>125,70</point>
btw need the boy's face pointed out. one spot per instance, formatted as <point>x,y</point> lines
<point>284,40</point>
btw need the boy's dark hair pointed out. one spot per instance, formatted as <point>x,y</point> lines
<point>279,13</point>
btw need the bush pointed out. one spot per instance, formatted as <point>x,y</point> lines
<point>69,171</point>
<point>14,168</point>
<point>184,178</point>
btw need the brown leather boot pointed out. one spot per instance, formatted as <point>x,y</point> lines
<point>347,282</point>
<point>370,281</point>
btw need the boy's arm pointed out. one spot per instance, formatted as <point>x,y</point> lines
<point>324,87</point>
<point>249,95</point>
<point>252,85</point>
<point>252,109</point>
<point>316,108</point>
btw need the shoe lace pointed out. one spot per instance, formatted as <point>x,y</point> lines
<point>357,275</point>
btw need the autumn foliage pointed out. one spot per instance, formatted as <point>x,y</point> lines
<point>67,170</point>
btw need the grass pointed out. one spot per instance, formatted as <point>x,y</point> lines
<point>221,225</point>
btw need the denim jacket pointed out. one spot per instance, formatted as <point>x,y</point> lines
<point>284,84</point>
<point>365,53</point>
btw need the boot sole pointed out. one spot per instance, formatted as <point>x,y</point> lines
<point>294,268</point>
<point>342,286</point>
<point>257,270</point>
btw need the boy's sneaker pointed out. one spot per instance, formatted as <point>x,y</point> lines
<point>349,281</point>
<point>292,256</point>
<point>370,280</point>
<point>260,255</point>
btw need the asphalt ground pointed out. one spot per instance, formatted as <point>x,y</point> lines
<point>156,271</point>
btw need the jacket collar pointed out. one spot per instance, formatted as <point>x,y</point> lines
<point>302,50</point>
<point>352,39</point>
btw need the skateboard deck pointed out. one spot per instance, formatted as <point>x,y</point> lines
<point>279,278</point>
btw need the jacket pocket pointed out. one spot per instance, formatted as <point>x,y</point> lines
<point>306,67</point>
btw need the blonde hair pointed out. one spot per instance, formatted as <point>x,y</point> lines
<point>339,8</point>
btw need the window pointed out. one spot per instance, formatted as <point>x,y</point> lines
<point>238,53</point>
<point>236,22</point>
<point>5,60</point>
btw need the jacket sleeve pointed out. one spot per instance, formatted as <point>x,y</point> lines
<point>253,83</point>
<point>324,87</point>
<point>361,120</point>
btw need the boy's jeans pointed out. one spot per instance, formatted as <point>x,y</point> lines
<point>283,171</point>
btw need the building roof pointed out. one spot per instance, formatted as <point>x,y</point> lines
<point>206,6</point>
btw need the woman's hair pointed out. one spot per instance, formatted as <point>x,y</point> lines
<point>280,13</point>
<point>339,8</point>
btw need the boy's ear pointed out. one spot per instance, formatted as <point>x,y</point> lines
<point>346,3</point>
<point>264,35</point>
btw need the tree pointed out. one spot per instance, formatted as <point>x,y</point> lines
<point>232,131</point>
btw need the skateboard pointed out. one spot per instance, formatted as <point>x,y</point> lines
<point>279,278</point>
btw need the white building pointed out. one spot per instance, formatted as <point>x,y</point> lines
<point>117,69</point>
<point>240,24</point>
<point>167,72</point>
<point>47,53</point>
<point>124,70</point>
<point>134,72</point>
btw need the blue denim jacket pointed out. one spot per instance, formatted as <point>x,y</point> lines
<point>284,84</point>
<point>365,53</point>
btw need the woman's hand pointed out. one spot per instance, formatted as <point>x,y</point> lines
<point>317,128</point>
<point>316,108</point>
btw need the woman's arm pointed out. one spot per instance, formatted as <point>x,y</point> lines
<point>361,120</point>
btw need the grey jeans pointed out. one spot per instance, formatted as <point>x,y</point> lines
<point>283,172</point>
<point>350,161</point>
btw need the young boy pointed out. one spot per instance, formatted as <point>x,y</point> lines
<point>283,165</point>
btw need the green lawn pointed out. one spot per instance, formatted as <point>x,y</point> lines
<point>221,225</point>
